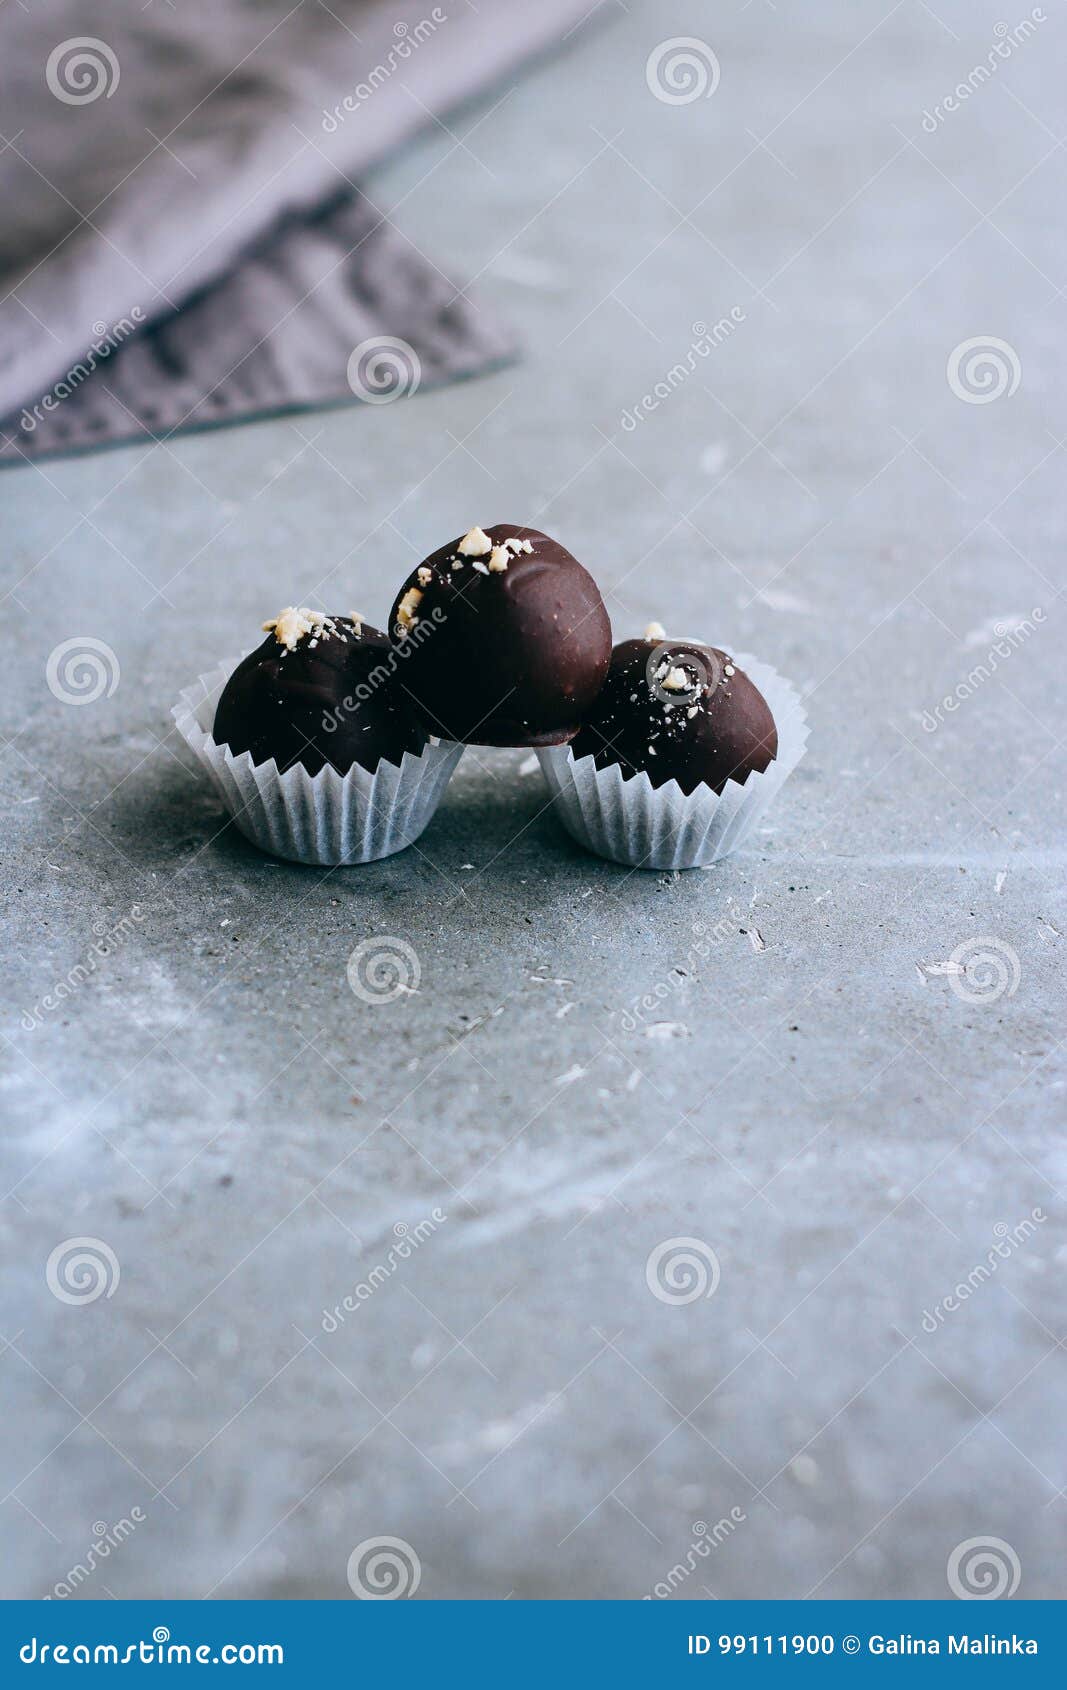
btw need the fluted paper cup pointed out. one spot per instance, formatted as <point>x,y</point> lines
<point>325,818</point>
<point>633,822</point>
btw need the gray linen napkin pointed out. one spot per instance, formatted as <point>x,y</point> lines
<point>183,240</point>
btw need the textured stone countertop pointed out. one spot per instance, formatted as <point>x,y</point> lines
<point>828,1089</point>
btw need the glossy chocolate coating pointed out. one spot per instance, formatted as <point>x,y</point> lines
<point>509,655</point>
<point>674,709</point>
<point>336,699</point>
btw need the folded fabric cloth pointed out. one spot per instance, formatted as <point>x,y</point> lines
<point>183,240</point>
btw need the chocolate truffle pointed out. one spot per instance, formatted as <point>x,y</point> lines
<point>505,638</point>
<point>680,711</point>
<point>319,690</point>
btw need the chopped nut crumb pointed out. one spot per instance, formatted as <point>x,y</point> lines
<point>425,576</point>
<point>475,543</point>
<point>655,631</point>
<point>294,623</point>
<point>407,609</point>
<point>499,559</point>
<point>480,567</point>
<point>357,619</point>
<point>729,670</point>
<point>676,680</point>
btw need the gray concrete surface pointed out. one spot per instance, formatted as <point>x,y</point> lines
<point>816,1097</point>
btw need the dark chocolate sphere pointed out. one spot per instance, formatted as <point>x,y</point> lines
<point>505,638</point>
<point>320,689</point>
<point>680,711</point>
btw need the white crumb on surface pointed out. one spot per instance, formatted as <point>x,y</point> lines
<point>714,457</point>
<point>804,1468</point>
<point>777,599</point>
<point>527,272</point>
<point>573,1073</point>
<point>994,628</point>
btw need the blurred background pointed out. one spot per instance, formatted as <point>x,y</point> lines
<point>758,310</point>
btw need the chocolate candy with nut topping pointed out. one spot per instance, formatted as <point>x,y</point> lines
<point>319,690</point>
<point>505,638</point>
<point>680,711</point>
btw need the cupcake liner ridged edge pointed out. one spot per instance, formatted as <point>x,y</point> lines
<point>633,822</point>
<point>327,819</point>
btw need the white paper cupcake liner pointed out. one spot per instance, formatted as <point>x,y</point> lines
<point>325,818</point>
<point>633,822</point>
